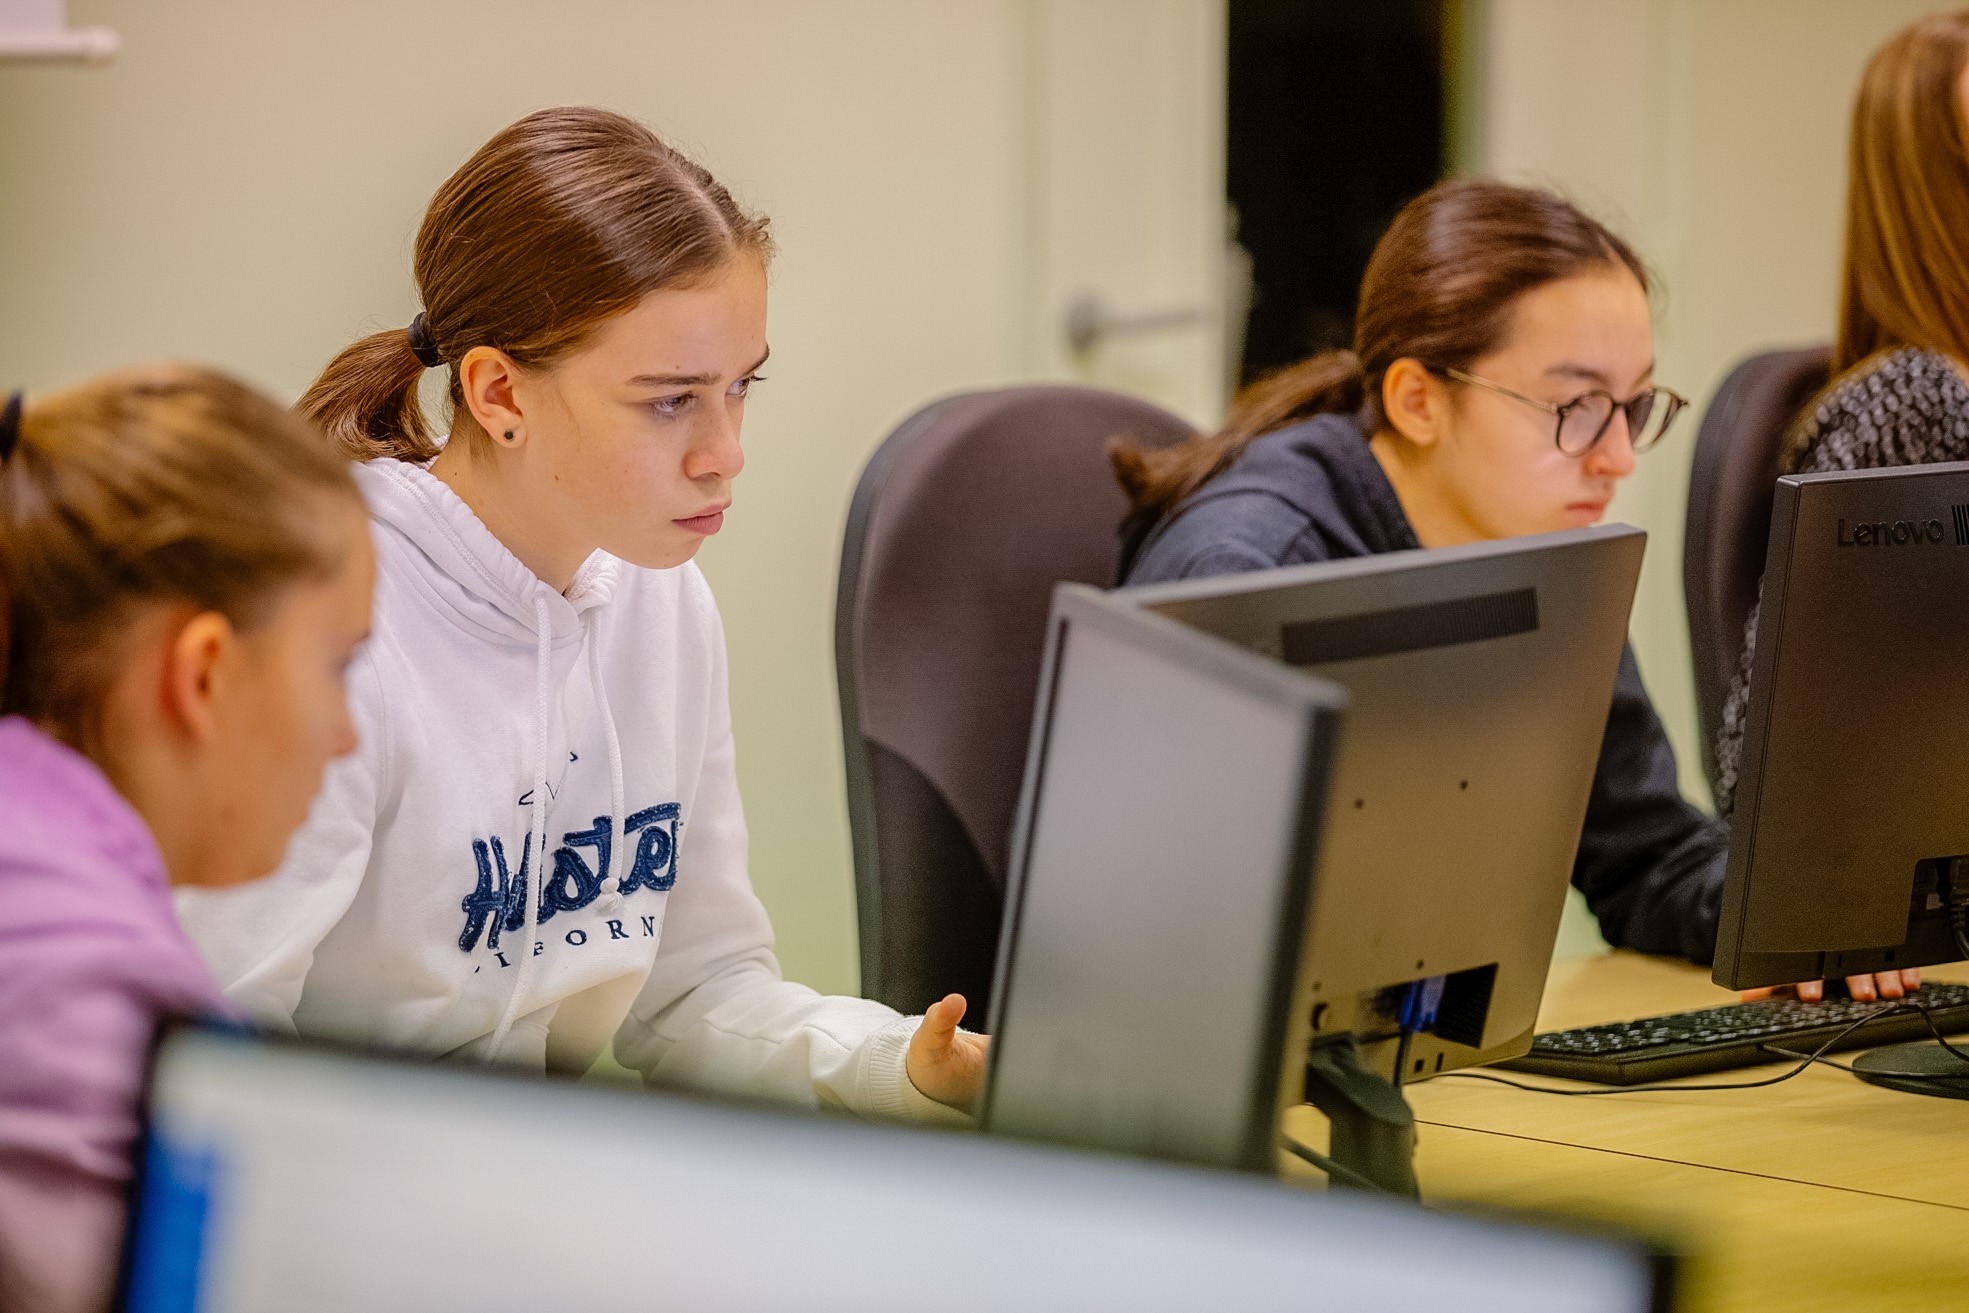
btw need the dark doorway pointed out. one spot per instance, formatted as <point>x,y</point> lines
<point>1335,121</point>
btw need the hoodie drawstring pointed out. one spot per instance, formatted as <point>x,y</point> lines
<point>618,823</point>
<point>537,835</point>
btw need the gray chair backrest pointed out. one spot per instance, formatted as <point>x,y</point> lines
<point>1731,486</point>
<point>964,520</point>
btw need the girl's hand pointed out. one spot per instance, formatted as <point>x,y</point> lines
<point>944,1064</point>
<point>1867,989</point>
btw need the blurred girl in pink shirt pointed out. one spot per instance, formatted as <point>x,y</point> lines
<point>186,573</point>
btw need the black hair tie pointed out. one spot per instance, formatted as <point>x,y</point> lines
<point>421,345</point>
<point>10,427</point>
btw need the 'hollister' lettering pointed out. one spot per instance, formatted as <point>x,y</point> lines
<point>655,866</point>
<point>496,905</point>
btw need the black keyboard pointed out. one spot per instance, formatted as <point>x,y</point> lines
<point>1686,1043</point>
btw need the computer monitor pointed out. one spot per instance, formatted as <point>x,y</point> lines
<point>280,1176</point>
<point>1849,848</point>
<point>1479,681</point>
<point>1157,887</point>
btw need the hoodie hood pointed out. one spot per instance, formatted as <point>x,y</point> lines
<point>471,575</point>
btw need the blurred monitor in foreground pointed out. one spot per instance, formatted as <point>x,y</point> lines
<point>1849,849</point>
<point>279,1176</point>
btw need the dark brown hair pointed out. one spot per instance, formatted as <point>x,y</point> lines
<point>1439,288</point>
<point>1905,281</point>
<point>565,219</point>
<point>159,484</point>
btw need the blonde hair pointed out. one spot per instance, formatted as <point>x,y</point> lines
<point>158,484</point>
<point>1906,275</point>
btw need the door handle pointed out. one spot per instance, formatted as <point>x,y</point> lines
<point>1089,322</point>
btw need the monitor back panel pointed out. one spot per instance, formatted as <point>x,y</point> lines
<point>284,1177</point>
<point>1854,779</point>
<point>1479,683</point>
<point>1159,873</point>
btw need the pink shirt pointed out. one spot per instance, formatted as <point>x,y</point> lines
<point>91,956</point>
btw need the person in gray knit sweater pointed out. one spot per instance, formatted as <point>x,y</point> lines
<point>1906,407</point>
<point>1900,388</point>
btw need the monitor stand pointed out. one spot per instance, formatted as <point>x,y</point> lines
<point>1922,1068</point>
<point>1373,1128</point>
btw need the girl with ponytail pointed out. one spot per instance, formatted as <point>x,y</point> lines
<point>1501,383</point>
<point>538,851</point>
<point>186,574</point>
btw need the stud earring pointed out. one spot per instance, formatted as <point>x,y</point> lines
<point>509,437</point>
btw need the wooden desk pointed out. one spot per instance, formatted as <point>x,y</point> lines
<point>1822,1192</point>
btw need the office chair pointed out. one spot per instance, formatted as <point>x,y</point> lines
<point>965,518</point>
<point>1731,486</point>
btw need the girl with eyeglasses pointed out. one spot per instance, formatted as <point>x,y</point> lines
<point>1501,383</point>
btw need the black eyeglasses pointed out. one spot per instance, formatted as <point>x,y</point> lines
<point>1584,420</point>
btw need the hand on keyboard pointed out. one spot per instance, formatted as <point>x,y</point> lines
<point>1749,1034</point>
<point>1867,989</point>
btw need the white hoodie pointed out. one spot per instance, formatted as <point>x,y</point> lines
<point>401,915</point>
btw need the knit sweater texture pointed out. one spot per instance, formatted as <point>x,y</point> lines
<point>1905,407</point>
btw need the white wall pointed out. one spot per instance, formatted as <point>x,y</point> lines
<point>241,186</point>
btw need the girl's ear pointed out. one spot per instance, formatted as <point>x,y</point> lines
<point>1415,401</point>
<point>198,661</point>
<point>486,376</point>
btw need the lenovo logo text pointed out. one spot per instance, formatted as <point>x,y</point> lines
<point>1894,533</point>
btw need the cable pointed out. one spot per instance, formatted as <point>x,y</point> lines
<point>1335,1173</point>
<point>1959,1054</point>
<point>1806,1057</point>
<point>1939,1038</point>
<point>1655,1087</point>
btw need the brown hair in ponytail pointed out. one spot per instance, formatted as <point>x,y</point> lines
<point>159,484</point>
<point>1439,289</point>
<point>565,219</point>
